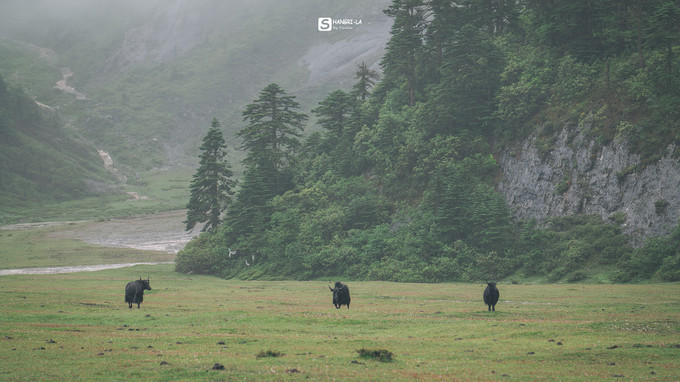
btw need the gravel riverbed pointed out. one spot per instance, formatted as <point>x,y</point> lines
<point>159,232</point>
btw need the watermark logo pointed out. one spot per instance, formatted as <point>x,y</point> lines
<point>327,24</point>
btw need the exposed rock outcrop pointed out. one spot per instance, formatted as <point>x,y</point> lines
<point>108,165</point>
<point>580,176</point>
<point>62,85</point>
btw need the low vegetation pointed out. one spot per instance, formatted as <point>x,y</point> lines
<point>268,353</point>
<point>382,355</point>
<point>192,327</point>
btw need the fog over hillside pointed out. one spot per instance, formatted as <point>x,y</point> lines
<point>152,74</point>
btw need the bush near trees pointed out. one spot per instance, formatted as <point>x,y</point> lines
<point>399,184</point>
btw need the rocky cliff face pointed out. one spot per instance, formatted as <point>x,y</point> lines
<point>580,176</point>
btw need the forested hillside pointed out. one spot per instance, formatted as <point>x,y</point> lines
<point>40,160</point>
<point>401,184</point>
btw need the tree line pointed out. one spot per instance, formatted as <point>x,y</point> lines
<point>399,184</point>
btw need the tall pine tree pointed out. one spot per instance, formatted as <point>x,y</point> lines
<point>334,112</point>
<point>366,79</point>
<point>211,187</point>
<point>270,138</point>
<point>400,62</point>
<point>272,133</point>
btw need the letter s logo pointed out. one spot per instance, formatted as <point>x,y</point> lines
<point>325,24</point>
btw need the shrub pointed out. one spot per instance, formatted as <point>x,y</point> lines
<point>577,276</point>
<point>659,254</point>
<point>621,175</point>
<point>268,353</point>
<point>382,355</point>
<point>557,274</point>
<point>574,80</point>
<point>660,206</point>
<point>526,81</point>
<point>200,255</point>
<point>563,185</point>
<point>442,269</point>
<point>670,268</point>
<point>618,218</point>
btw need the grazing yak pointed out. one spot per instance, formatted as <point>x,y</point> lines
<point>134,291</point>
<point>491,295</point>
<point>340,295</point>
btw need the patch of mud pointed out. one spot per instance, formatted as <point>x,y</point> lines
<point>162,232</point>
<point>159,232</point>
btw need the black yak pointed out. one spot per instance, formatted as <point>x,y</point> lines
<point>134,291</point>
<point>340,295</point>
<point>491,295</point>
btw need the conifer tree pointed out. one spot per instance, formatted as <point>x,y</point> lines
<point>211,187</point>
<point>339,115</point>
<point>270,139</point>
<point>366,80</point>
<point>334,112</point>
<point>271,135</point>
<point>400,62</point>
<point>250,212</point>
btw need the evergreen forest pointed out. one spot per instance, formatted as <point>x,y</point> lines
<point>397,181</point>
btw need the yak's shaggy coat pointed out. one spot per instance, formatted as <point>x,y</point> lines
<point>134,291</point>
<point>340,295</point>
<point>491,295</point>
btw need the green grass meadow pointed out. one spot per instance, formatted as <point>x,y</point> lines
<point>160,192</point>
<point>77,327</point>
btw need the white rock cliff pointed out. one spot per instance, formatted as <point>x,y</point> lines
<point>580,176</point>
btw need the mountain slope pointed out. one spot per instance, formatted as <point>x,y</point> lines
<point>41,161</point>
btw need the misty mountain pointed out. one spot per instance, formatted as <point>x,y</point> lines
<point>40,160</point>
<point>153,74</point>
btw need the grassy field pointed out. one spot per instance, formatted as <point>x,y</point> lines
<point>160,192</point>
<point>77,327</point>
